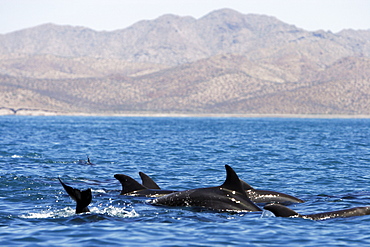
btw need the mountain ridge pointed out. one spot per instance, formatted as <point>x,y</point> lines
<point>224,62</point>
<point>174,40</point>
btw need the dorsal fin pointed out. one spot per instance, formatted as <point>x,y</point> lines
<point>281,211</point>
<point>148,181</point>
<point>128,184</point>
<point>245,185</point>
<point>89,161</point>
<point>232,181</point>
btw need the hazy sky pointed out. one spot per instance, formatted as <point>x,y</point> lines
<point>109,15</point>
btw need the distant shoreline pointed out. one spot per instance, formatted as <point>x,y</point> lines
<point>200,115</point>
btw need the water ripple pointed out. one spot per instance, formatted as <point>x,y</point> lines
<point>323,161</point>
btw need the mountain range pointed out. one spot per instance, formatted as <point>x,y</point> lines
<point>223,63</point>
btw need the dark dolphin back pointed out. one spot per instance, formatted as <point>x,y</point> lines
<point>281,211</point>
<point>128,184</point>
<point>270,197</point>
<point>82,198</point>
<point>351,212</point>
<point>148,182</point>
<point>245,185</point>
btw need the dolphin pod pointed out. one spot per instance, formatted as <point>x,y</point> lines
<point>230,196</point>
<point>149,188</point>
<point>234,195</point>
<point>282,211</point>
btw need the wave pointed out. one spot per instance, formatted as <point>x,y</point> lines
<point>70,212</point>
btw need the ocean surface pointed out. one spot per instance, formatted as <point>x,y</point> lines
<point>325,162</point>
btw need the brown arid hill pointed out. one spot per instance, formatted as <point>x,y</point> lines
<point>174,40</point>
<point>55,67</point>
<point>221,84</point>
<point>223,63</point>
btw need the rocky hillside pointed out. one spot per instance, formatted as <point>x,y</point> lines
<point>224,62</point>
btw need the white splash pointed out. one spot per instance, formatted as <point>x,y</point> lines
<point>65,212</point>
<point>17,156</point>
<point>98,191</point>
<point>68,212</point>
<point>115,212</point>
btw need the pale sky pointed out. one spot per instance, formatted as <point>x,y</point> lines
<point>108,15</point>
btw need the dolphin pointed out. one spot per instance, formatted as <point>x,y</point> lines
<point>85,162</point>
<point>230,196</point>
<point>88,161</point>
<point>131,187</point>
<point>268,196</point>
<point>148,181</point>
<point>282,211</point>
<point>82,198</point>
<point>256,196</point>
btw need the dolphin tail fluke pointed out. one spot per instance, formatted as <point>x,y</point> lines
<point>281,211</point>
<point>82,198</point>
<point>148,181</point>
<point>129,184</point>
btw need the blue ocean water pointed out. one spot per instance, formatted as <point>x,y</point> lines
<point>323,161</point>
